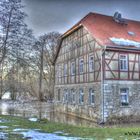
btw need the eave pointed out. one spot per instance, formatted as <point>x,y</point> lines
<point>74,28</point>
<point>122,48</point>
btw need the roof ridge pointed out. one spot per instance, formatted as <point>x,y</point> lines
<point>129,19</point>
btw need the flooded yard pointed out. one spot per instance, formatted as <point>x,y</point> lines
<point>38,121</point>
<point>17,133</point>
<point>40,110</point>
<point>33,111</point>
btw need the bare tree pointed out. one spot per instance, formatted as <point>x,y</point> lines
<point>15,41</point>
<point>11,22</point>
<point>46,46</point>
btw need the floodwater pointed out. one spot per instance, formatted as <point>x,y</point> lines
<point>40,110</point>
<point>34,111</point>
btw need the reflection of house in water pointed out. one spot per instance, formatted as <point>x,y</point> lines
<point>40,110</point>
<point>97,68</point>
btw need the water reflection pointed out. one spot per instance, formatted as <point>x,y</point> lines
<point>40,110</point>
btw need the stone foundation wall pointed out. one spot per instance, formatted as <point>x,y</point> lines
<point>112,100</point>
<point>112,103</point>
<point>85,110</point>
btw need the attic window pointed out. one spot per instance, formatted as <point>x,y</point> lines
<point>131,33</point>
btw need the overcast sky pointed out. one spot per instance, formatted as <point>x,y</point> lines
<point>59,15</point>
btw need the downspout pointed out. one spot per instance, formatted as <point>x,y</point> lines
<point>102,84</point>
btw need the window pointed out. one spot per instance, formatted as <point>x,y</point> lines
<point>124,96</point>
<point>123,62</point>
<point>73,95</point>
<point>72,68</point>
<point>59,97</point>
<point>69,97</point>
<point>58,70</point>
<point>81,96</point>
<point>81,66</point>
<point>65,95</point>
<point>91,96</point>
<point>65,69</point>
<point>91,63</point>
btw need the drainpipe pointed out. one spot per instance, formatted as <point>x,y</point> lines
<point>102,84</point>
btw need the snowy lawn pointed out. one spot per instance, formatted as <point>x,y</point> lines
<point>18,128</point>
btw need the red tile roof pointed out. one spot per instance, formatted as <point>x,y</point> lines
<point>103,27</point>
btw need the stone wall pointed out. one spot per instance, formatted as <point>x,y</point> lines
<point>112,105</point>
<point>85,110</point>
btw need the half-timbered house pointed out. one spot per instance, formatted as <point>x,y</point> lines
<point>97,68</point>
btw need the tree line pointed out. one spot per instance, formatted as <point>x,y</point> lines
<point>26,61</point>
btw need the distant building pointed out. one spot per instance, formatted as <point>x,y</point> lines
<point>97,68</point>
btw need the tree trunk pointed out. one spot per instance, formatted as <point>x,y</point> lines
<point>1,87</point>
<point>41,74</point>
<point>52,82</point>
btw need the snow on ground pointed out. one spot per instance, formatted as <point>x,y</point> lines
<point>33,119</point>
<point>3,127</point>
<point>35,135</point>
<point>19,130</point>
<point>59,132</point>
<point>2,136</point>
<point>124,42</point>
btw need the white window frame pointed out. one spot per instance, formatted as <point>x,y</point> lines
<point>124,102</point>
<point>81,66</point>
<point>91,63</point>
<point>73,68</point>
<point>65,69</point>
<point>91,95</point>
<point>81,96</point>
<point>123,62</point>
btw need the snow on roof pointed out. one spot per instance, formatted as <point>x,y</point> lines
<point>124,42</point>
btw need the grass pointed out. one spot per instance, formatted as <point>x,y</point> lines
<point>117,133</point>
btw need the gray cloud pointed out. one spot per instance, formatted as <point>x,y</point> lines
<point>59,15</point>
